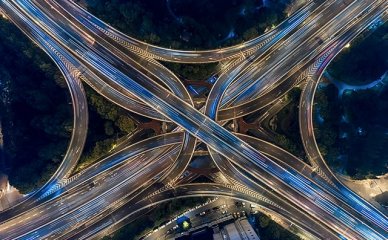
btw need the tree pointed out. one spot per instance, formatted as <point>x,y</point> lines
<point>250,34</point>
<point>153,38</point>
<point>108,127</point>
<point>125,124</point>
<point>263,221</point>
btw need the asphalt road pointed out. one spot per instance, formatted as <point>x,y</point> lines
<point>99,62</point>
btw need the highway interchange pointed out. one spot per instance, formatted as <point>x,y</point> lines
<point>257,74</point>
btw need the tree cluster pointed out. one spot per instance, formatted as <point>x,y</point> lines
<point>198,72</point>
<point>108,122</point>
<point>185,24</point>
<point>365,60</point>
<point>270,230</point>
<point>36,116</point>
<point>359,116</point>
<point>288,134</point>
